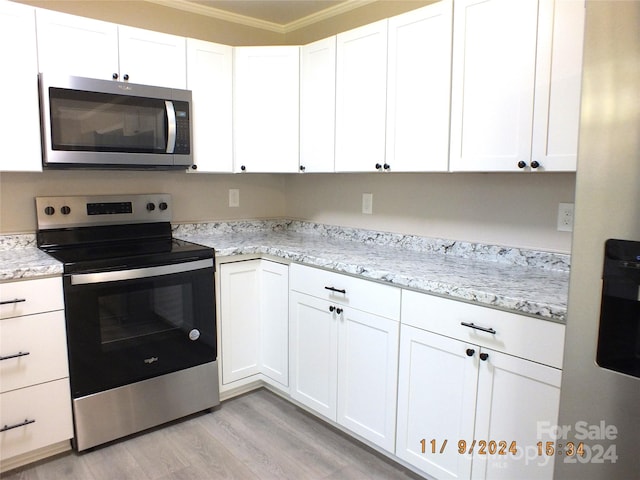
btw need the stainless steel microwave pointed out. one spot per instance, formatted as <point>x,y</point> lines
<point>89,123</point>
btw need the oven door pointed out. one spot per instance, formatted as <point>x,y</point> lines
<point>129,325</point>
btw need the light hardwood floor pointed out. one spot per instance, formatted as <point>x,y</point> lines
<point>255,436</point>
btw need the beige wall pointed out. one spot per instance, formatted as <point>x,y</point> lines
<point>505,209</point>
<point>196,197</point>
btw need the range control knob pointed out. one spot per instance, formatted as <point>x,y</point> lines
<point>49,210</point>
<point>163,206</point>
<point>151,206</point>
<point>65,210</point>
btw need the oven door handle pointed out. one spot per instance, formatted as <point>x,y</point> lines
<point>135,273</point>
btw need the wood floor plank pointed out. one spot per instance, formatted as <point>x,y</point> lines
<point>257,436</point>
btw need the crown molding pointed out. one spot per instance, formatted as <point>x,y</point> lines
<point>212,12</point>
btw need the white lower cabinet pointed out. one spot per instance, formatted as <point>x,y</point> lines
<point>35,398</point>
<point>343,360</point>
<point>466,410</point>
<point>253,322</point>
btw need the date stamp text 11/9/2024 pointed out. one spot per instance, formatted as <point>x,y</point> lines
<point>574,451</point>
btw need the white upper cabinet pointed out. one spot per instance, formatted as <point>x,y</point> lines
<point>210,79</point>
<point>20,124</point>
<point>556,117</point>
<point>77,46</point>
<point>318,105</point>
<point>361,98</point>
<point>266,109</point>
<point>419,89</point>
<point>516,85</point>
<point>152,58</point>
<point>494,58</point>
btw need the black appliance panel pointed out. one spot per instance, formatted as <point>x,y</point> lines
<point>619,331</point>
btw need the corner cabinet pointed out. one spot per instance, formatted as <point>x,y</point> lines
<point>20,122</point>
<point>210,79</point>
<point>343,350</point>
<point>419,89</point>
<point>253,323</point>
<point>516,78</point>
<point>35,399</point>
<point>469,373</point>
<point>266,109</point>
<point>361,97</point>
<point>318,106</point>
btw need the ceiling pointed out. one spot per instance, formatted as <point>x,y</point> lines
<point>280,16</point>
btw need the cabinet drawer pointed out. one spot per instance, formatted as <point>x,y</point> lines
<point>372,297</point>
<point>525,337</point>
<point>49,404</point>
<point>43,337</point>
<point>31,296</point>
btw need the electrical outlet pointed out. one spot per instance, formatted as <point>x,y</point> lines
<point>367,203</point>
<point>234,197</point>
<point>565,217</point>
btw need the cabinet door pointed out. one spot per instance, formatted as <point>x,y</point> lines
<point>437,380</point>
<point>266,109</point>
<point>313,345</point>
<point>240,319</point>
<point>367,375</point>
<point>556,116</point>
<point>361,88</point>
<point>274,321</point>
<point>516,398</point>
<point>209,77</point>
<point>493,74</point>
<point>20,122</point>
<point>152,58</point>
<point>318,105</point>
<point>419,89</point>
<point>77,46</point>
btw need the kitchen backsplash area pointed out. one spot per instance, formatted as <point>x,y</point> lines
<point>499,209</point>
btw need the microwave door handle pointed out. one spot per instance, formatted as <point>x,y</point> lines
<point>171,126</point>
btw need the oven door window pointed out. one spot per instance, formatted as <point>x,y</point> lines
<point>127,331</point>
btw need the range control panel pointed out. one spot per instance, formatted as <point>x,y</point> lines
<point>84,211</point>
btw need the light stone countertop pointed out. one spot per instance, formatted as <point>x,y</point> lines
<point>523,281</point>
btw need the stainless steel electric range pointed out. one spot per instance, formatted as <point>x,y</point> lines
<point>140,313</point>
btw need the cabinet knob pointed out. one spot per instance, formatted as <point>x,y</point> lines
<point>522,164</point>
<point>194,167</point>
<point>302,168</point>
<point>484,356</point>
<point>332,308</point>
<point>339,311</point>
<point>470,352</point>
<point>386,166</point>
<point>114,76</point>
<point>126,76</point>
<point>378,166</point>
<point>535,164</point>
<point>243,168</point>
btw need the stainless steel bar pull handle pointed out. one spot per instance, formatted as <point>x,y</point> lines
<point>15,300</point>
<point>171,126</point>
<point>477,327</point>
<point>22,424</point>
<point>338,290</point>
<point>15,355</point>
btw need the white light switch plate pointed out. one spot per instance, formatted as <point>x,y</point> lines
<point>234,197</point>
<point>367,203</point>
